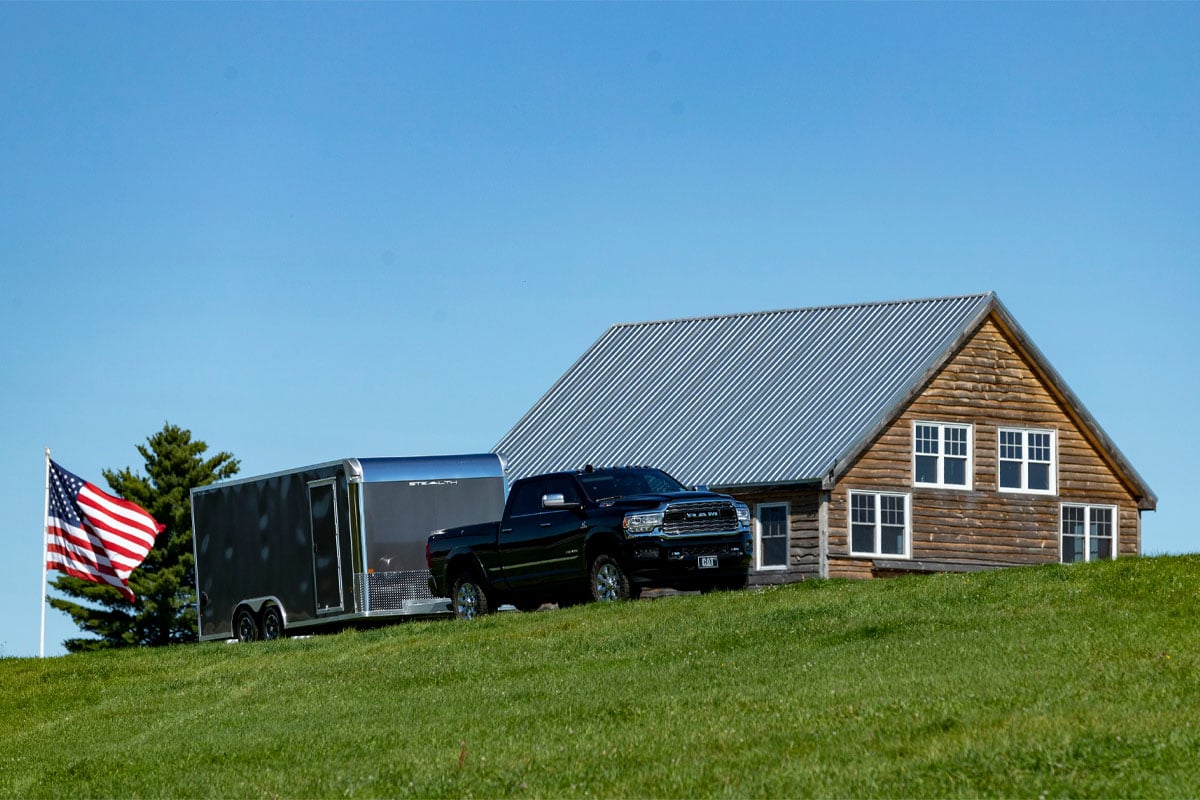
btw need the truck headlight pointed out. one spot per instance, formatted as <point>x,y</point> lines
<point>642,523</point>
<point>743,512</point>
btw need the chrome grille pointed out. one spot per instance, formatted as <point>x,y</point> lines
<point>681,519</point>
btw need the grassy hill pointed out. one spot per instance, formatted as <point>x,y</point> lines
<point>1044,682</point>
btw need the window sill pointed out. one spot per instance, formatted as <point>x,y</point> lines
<point>1033,492</point>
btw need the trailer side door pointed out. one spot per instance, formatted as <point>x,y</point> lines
<point>326,542</point>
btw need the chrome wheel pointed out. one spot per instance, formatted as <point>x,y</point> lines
<point>470,599</point>
<point>466,602</point>
<point>608,580</point>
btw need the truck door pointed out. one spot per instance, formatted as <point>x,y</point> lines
<point>326,542</point>
<point>539,545</point>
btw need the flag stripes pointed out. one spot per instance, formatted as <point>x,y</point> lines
<point>92,535</point>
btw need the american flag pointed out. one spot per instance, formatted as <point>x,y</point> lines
<point>94,536</point>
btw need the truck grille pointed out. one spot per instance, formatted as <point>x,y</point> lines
<point>681,519</point>
<point>691,551</point>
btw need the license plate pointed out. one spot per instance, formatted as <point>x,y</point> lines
<point>707,562</point>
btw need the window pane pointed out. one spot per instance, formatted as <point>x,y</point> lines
<point>862,538</point>
<point>892,524</point>
<point>1072,520</point>
<point>862,508</point>
<point>926,439</point>
<point>773,535</point>
<point>956,441</point>
<point>1010,445</point>
<point>1039,476</point>
<point>774,551</point>
<point>891,510</point>
<point>1101,529</point>
<point>1010,474</point>
<point>891,540</point>
<point>1072,549</point>
<point>1039,446</point>
<point>956,471</point>
<point>926,469</point>
<point>528,499</point>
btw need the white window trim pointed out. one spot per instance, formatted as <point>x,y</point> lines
<point>1023,489</point>
<point>877,553</point>
<point>1087,525</point>
<point>941,456</point>
<point>758,549</point>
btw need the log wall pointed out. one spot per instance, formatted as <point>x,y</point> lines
<point>987,384</point>
<point>804,539</point>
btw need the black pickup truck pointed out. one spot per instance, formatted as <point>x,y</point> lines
<point>594,534</point>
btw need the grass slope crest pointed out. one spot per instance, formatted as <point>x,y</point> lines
<point>1053,681</point>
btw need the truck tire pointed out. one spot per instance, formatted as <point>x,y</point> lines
<point>468,597</point>
<point>608,581</point>
<point>245,625</point>
<point>272,623</point>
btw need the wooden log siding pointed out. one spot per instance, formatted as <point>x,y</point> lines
<point>804,536</point>
<point>988,384</point>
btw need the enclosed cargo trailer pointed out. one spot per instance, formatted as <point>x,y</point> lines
<point>331,543</point>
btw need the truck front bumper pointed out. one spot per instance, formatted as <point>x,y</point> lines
<point>689,562</point>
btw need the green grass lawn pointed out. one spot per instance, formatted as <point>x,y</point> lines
<point>1051,681</point>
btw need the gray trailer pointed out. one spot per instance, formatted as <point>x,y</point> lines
<point>332,543</point>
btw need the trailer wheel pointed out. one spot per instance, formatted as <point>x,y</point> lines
<point>272,623</point>
<point>245,625</point>
<point>469,597</point>
<point>608,580</point>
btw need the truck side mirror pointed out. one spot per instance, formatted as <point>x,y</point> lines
<point>557,501</point>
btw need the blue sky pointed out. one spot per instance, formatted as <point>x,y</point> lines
<point>311,231</point>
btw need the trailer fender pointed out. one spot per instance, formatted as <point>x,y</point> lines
<point>257,604</point>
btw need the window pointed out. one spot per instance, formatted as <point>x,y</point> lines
<point>942,455</point>
<point>771,547</point>
<point>1026,460</point>
<point>1088,533</point>
<point>879,524</point>
<point>528,498</point>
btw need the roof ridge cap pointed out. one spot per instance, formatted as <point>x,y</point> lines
<point>831,307</point>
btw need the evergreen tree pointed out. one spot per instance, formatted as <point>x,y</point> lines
<point>165,583</point>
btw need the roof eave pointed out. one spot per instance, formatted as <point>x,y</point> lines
<point>1146,499</point>
<point>909,392</point>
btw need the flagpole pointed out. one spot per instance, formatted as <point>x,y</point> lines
<point>45,543</point>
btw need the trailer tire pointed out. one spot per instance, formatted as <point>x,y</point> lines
<point>272,623</point>
<point>468,596</point>
<point>245,625</point>
<point>608,579</point>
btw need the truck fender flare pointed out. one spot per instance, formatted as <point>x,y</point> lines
<point>601,541</point>
<point>455,561</point>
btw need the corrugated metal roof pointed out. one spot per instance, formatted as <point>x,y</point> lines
<point>745,399</point>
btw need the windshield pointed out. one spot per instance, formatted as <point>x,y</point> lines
<point>623,482</point>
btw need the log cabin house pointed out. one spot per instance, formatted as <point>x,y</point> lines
<point>868,439</point>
